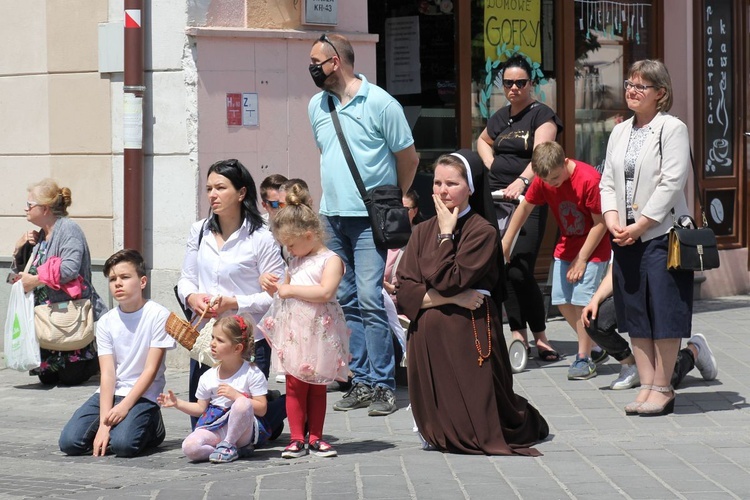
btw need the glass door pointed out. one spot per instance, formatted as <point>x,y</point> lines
<point>416,65</point>
<point>500,30</point>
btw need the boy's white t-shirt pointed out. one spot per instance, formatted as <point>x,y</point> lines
<point>248,379</point>
<point>128,338</point>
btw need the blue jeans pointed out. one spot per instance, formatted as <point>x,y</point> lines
<point>360,295</point>
<point>142,428</point>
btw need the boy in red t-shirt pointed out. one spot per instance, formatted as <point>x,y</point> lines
<point>571,189</point>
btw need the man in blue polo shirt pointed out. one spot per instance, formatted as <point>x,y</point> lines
<point>381,143</point>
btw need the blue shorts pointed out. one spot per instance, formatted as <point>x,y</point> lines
<point>580,293</point>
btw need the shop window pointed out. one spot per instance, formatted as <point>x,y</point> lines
<point>498,31</point>
<point>609,37</point>
<point>416,65</point>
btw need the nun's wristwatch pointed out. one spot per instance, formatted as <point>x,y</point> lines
<point>525,181</point>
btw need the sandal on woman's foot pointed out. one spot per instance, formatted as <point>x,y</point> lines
<point>632,408</point>
<point>651,409</point>
<point>548,355</point>
<point>224,453</point>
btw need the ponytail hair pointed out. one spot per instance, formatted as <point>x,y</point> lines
<point>48,193</point>
<point>297,217</point>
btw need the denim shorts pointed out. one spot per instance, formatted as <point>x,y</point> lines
<point>579,293</point>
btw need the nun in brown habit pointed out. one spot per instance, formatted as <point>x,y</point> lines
<point>451,287</point>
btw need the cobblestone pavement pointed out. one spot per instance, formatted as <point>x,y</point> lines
<point>702,451</point>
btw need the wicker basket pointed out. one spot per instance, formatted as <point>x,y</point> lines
<point>186,334</point>
<point>182,330</point>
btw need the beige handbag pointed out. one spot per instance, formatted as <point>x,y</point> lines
<point>65,326</point>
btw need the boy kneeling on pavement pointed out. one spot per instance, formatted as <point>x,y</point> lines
<point>123,416</point>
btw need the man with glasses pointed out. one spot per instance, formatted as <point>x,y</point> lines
<point>269,195</point>
<point>382,146</point>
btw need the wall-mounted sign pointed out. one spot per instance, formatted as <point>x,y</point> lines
<point>402,55</point>
<point>234,110</point>
<point>717,89</point>
<point>325,12</point>
<point>250,109</point>
<point>720,211</point>
<point>242,109</point>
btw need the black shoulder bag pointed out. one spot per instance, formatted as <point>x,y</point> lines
<point>389,218</point>
<point>691,248</point>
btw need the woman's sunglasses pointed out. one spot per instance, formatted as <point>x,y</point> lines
<point>508,84</point>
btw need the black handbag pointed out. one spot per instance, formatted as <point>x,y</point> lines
<point>691,248</point>
<point>391,227</point>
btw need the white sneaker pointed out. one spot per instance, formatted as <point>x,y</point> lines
<point>705,362</point>
<point>628,378</point>
<point>281,378</point>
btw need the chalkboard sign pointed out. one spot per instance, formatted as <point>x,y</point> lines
<point>718,98</point>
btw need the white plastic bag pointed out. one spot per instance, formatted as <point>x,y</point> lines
<point>201,351</point>
<point>21,346</point>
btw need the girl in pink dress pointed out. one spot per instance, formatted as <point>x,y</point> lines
<point>305,325</point>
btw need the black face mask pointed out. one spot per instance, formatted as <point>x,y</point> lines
<point>318,75</point>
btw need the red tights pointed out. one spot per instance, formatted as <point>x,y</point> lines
<point>305,403</point>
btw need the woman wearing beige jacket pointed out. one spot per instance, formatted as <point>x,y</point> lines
<point>642,186</point>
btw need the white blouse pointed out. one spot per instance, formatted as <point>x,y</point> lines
<point>234,270</point>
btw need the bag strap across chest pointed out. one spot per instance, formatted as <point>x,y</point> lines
<point>345,149</point>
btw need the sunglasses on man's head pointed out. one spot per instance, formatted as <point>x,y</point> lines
<point>508,84</point>
<point>324,38</point>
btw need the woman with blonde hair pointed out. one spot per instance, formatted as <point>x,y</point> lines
<point>60,270</point>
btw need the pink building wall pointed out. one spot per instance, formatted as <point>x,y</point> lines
<point>274,64</point>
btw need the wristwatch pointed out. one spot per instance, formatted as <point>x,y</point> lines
<point>446,236</point>
<point>525,181</point>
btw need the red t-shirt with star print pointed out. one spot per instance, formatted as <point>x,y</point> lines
<point>572,205</point>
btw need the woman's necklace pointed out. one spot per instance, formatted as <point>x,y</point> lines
<point>482,357</point>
